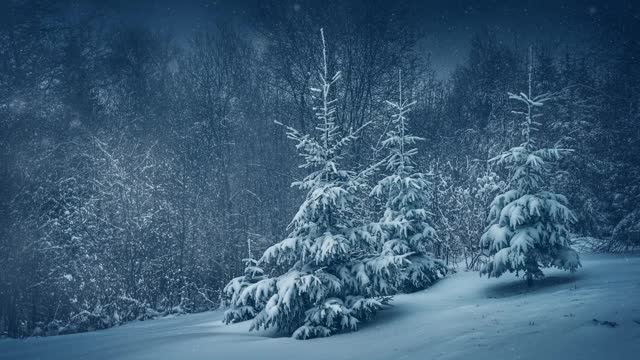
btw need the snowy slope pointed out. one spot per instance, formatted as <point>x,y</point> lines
<point>462,317</point>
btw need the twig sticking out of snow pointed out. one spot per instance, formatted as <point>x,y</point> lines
<point>605,323</point>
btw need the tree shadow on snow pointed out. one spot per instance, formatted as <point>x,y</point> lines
<point>519,286</point>
<point>388,315</point>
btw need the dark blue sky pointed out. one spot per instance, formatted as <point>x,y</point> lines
<point>446,26</point>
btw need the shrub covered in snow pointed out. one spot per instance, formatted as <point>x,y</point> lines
<point>626,234</point>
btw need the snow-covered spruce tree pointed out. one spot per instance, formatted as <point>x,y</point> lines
<point>528,227</point>
<point>404,227</point>
<point>242,306</point>
<point>334,279</point>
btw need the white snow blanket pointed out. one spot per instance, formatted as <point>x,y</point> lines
<point>461,317</point>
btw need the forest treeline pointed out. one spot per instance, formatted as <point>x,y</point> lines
<point>140,167</point>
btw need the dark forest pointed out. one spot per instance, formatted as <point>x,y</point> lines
<point>148,152</point>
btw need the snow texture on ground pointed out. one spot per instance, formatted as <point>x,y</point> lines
<point>462,317</point>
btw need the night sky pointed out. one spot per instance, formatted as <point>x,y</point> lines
<point>446,26</point>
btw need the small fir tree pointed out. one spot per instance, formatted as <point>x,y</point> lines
<point>529,226</point>
<point>238,292</point>
<point>404,228</point>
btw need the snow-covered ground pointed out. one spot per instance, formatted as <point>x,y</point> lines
<point>462,317</point>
